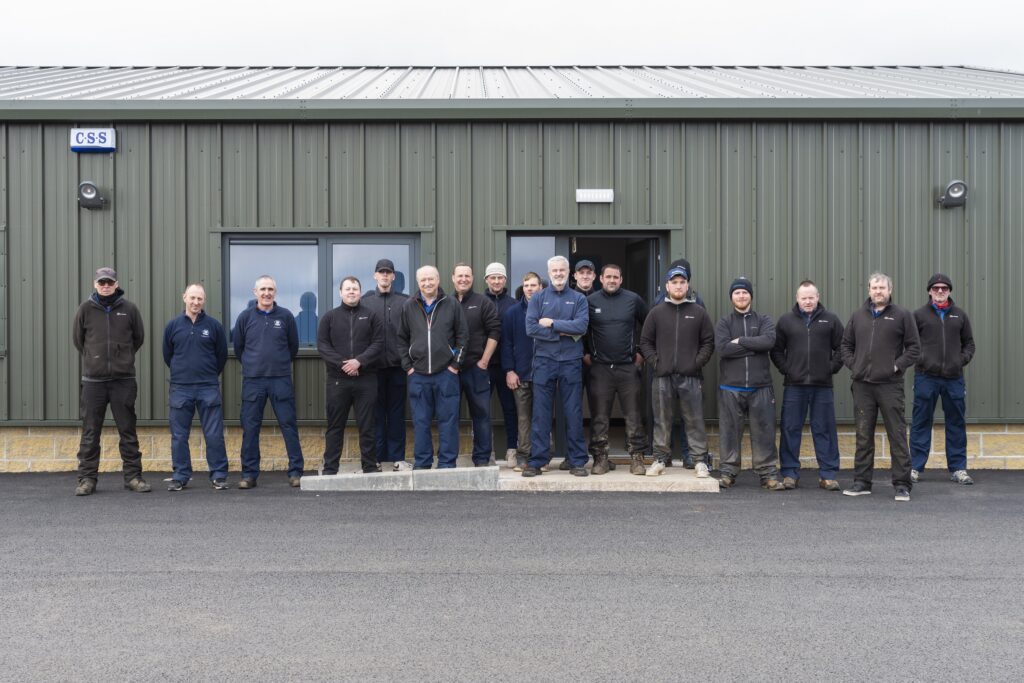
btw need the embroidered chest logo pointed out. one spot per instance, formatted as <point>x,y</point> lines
<point>277,323</point>
<point>597,310</point>
<point>206,333</point>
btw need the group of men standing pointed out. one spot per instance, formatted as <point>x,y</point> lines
<point>541,352</point>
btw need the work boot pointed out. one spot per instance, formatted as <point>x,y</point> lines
<point>138,484</point>
<point>86,487</point>
<point>636,464</point>
<point>565,467</point>
<point>600,464</point>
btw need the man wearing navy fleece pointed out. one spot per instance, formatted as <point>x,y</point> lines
<point>266,340</point>
<point>196,349</point>
<point>557,318</point>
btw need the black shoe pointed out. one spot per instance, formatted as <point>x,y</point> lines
<point>579,472</point>
<point>175,485</point>
<point>531,471</point>
<point>247,484</point>
<point>688,462</point>
<point>565,465</point>
<point>859,488</point>
<point>372,470</point>
<point>86,487</point>
<point>611,465</point>
<point>902,494</point>
<point>220,484</point>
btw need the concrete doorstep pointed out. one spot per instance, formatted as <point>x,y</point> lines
<point>503,478</point>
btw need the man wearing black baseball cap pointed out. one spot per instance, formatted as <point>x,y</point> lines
<point>386,302</point>
<point>108,331</point>
<point>947,346</point>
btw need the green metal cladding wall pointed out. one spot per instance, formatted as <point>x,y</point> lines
<point>777,202</point>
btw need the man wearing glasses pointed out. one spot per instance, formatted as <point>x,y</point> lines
<point>947,346</point>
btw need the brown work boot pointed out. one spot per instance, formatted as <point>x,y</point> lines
<point>600,464</point>
<point>636,464</point>
<point>772,485</point>
<point>726,481</point>
<point>828,484</point>
<point>790,483</point>
<point>86,487</point>
<point>139,485</point>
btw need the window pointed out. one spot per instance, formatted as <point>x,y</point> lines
<point>307,271</point>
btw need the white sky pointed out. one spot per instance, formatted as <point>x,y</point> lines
<point>559,32</point>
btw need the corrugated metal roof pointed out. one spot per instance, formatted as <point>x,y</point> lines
<point>182,83</point>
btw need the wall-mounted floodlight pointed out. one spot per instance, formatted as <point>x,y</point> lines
<point>89,196</point>
<point>955,195</point>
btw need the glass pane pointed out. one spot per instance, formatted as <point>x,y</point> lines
<point>293,267</point>
<point>360,259</point>
<point>529,253</point>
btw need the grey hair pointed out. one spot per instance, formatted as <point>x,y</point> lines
<point>878,275</point>
<point>557,259</point>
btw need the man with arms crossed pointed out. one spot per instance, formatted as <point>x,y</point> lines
<point>557,318</point>
<point>196,350</point>
<point>879,343</point>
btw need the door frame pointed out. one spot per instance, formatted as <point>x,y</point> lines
<point>676,236</point>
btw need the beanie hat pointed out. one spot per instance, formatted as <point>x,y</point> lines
<point>939,278</point>
<point>741,283</point>
<point>496,269</point>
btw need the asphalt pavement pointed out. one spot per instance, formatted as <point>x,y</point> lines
<point>278,584</point>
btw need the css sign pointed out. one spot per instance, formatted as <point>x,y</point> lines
<point>93,140</point>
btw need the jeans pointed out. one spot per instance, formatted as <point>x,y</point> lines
<point>524,411</point>
<point>758,407</point>
<point>390,414</point>
<point>605,382</point>
<point>508,404</point>
<point>550,375</point>
<point>868,400</point>
<point>688,393</point>
<point>185,400</point>
<point>360,394</point>
<point>435,397</point>
<point>928,389</point>
<point>796,401</point>
<point>120,394</point>
<point>281,392</point>
<point>476,387</point>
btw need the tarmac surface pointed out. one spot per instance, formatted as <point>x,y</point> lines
<point>279,584</point>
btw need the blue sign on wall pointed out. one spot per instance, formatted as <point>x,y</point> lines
<point>93,140</point>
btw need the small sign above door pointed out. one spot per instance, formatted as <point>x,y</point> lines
<point>595,196</point>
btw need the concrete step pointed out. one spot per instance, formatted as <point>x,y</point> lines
<point>503,478</point>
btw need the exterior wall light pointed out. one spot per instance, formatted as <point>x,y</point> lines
<point>955,195</point>
<point>89,196</point>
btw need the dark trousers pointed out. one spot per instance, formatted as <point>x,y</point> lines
<point>868,400</point>
<point>927,391</point>
<point>281,392</point>
<point>435,397</point>
<point>390,414</point>
<point>360,394</point>
<point>549,376</point>
<point>185,400</point>
<point>524,411</point>
<point>508,404</point>
<point>758,407</point>
<point>686,392</point>
<point>796,402</point>
<point>476,387</point>
<point>605,382</point>
<point>120,395</point>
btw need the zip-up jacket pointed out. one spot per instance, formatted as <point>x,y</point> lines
<point>947,343</point>
<point>388,307</point>
<point>516,345</point>
<point>347,332</point>
<point>807,347</point>
<point>744,364</point>
<point>563,340</point>
<point>107,337</point>
<point>678,339</point>
<point>614,321</point>
<point>691,292</point>
<point>266,341</point>
<point>431,340</point>
<point>195,352</point>
<point>502,301</point>
<point>879,348</point>
<point>483,323</point>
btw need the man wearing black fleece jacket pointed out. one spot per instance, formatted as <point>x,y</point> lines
<point>807,354</point>
<point>743,339</point>
<point>350,339</point>
<point>879,344</point>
